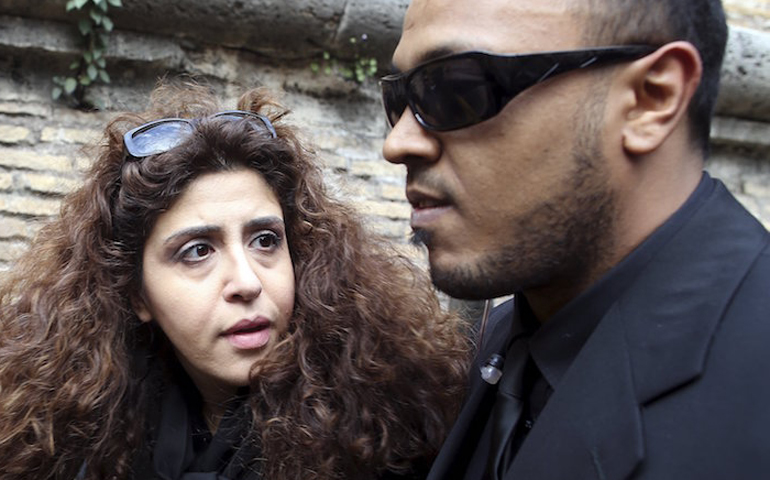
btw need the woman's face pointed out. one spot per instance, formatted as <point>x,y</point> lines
<point>218,278</point>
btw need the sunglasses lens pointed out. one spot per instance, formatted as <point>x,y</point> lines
<point>453,94</point>
<point>394,103</point>
<point>159,138</point>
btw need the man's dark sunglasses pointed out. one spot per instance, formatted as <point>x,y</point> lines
<point>463,89</point>
<point>162,135</point>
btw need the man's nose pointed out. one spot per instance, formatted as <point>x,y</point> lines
<point>408,141</point>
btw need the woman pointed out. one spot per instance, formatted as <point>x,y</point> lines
<point>202,309</point>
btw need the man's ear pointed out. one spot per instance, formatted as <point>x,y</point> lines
<point>660,86</point>
<point>139,305</point>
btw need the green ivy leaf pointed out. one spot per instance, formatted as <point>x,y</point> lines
<point>91,67</point>
<point>70,84</point>
<point>96,17</point>
<point>85,27</point>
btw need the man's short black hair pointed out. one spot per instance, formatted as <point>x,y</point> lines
<point>656,22</point>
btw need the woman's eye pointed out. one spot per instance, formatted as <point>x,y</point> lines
<point>196,252</point>
<point>266,241</point>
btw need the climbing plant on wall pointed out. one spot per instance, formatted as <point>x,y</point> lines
<point>358,69</point>
<point>90,67</point>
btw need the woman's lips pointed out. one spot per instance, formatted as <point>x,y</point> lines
<point>249,334</point>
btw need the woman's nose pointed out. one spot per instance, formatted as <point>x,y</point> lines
<point>243,283</point>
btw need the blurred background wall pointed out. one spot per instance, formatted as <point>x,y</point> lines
<point>302,50</point>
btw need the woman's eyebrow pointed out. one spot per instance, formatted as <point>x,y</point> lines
<point>271,221</point>
<point>201,231</point>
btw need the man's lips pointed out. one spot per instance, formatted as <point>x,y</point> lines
<point>420,205</point>
<point>419,199</point>
<point>249,334</point>
<point>425,207</point>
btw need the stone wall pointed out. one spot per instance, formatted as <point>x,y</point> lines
<point>233,45</point>
<point>749,13</point>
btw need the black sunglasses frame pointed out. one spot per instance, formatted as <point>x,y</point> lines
<point>507,75</point>
<point>135,152</point>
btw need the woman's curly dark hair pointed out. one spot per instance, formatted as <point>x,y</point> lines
<point>367,379</point>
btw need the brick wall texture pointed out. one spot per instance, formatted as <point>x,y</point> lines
<point>43,143</point>
<point>749,13</point>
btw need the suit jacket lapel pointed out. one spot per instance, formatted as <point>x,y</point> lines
<point>671,321</point>
<point>591,426</point>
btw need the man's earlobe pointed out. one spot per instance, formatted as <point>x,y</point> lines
<point>662,85</point>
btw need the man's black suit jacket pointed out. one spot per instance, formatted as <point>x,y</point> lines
<point>674,383</point>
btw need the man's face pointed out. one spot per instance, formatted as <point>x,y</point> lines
<point>519,200</point>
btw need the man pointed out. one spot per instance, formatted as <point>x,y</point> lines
<point>636,343</point>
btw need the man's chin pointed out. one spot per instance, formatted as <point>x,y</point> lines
<point>477,278</point>
<point>465,282</point>
<point>459,287</point>
<point>457,281</point>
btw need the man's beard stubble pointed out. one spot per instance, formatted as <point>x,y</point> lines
<point>561,242</point>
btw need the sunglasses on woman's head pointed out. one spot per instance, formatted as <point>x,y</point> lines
<point>162,135</point>
<point>463,89</point>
